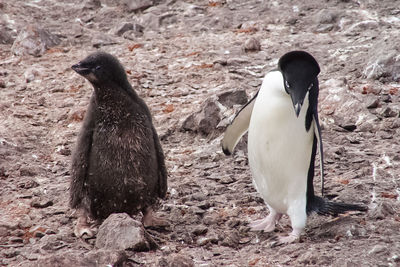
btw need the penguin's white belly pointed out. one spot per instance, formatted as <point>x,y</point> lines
<point>279,150</point>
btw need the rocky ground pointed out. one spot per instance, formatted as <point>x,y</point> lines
<point>195,63</point>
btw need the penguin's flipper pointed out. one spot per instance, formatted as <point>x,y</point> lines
<point>317,131</point>
<point>81,157</point>
<point>238,127</point>
<point>162,170</point>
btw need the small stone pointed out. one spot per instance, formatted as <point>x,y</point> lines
<point>386,98</point>
<point>2,83</point>
<point>204,121</point>
<point>235,97</point>
<point>200,230</point>
<point>231,240</point>
<point>119,231</point>
<point>41,203</point>
<point>6,36</point>
<point>11,254</point>
<point>137,5</point>
<point>16,239</point>
<point>52,243</point>
<point>176,260</point>
<point>64,220</point>
<point>291,21</point>
<point>92,4</point>
<point>25,222</point>
<point>226,180</point>
<point>236,61</point>
<point>28,184</point>
<point>385,135</point>
<point>372,102</point>
<point>32,256</point>
<point>41,101</point>
<point>388,113</point>
<point>124,28</point>
<point>252,45</point>
<point>150,21</point>
<point>210,219</point>
<point>39,234</point>
<point>381,211</point>
<point>203,241</point>
<point>19,232</point>
<point>377,249</point>
<point>100,40</point>
<point>27,171</point>
<point>50,232</point>
<point>326,16</point>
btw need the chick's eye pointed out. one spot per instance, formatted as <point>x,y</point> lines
<point>97,67</point>
<point>287,84</point>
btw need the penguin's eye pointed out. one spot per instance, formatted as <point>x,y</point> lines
<point>287,84</point>
<point>98,67</point>
<point>311,85</point>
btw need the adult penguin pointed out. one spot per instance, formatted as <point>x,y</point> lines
<point>118,163</point>
<point>284,132</point>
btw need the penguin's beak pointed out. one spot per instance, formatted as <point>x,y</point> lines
<point>297,108</point>
<point>297,101</point>
<point>81,70</point>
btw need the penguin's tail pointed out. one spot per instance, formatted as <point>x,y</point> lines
<point>324,207</point>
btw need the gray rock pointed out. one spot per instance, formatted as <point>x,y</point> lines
<point>372,102</point>
<point>252,45</point>
<point>381,211</point>
<point>52,243</point>
<point>200,230</point>
<point>119,231</point>
<point>91,258</point>
<point>388,112</point>
<point>378,249</point>
<point>234,97</point>
<point>5,36</point>
<point>102,39</point>
<point>176,260</point>
<point>231,239</point>
<point>41,202</point>
<point>361,26</point>
<point>204,121</point>
<point>92,4</point>
<point>34,41</point>
<point>326,16</point>
<point>129,30</point>
<point>138,5</point>
<point>150,21</point>
<point>127,26</point>
<point>384,61</point>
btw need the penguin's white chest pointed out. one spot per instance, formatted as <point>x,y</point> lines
<point>279,146</point>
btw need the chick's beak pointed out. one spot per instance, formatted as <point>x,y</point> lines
<point>78,68</point>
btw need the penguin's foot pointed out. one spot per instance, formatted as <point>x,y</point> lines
<point>151,220</point>
<point>83,229</point>
<point>267,224</point>
<point>292,237</point>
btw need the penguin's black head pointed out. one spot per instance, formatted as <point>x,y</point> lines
<point>101,68</point>
<point>300,71</point>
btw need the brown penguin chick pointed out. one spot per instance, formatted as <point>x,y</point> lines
<point>118,163</point>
